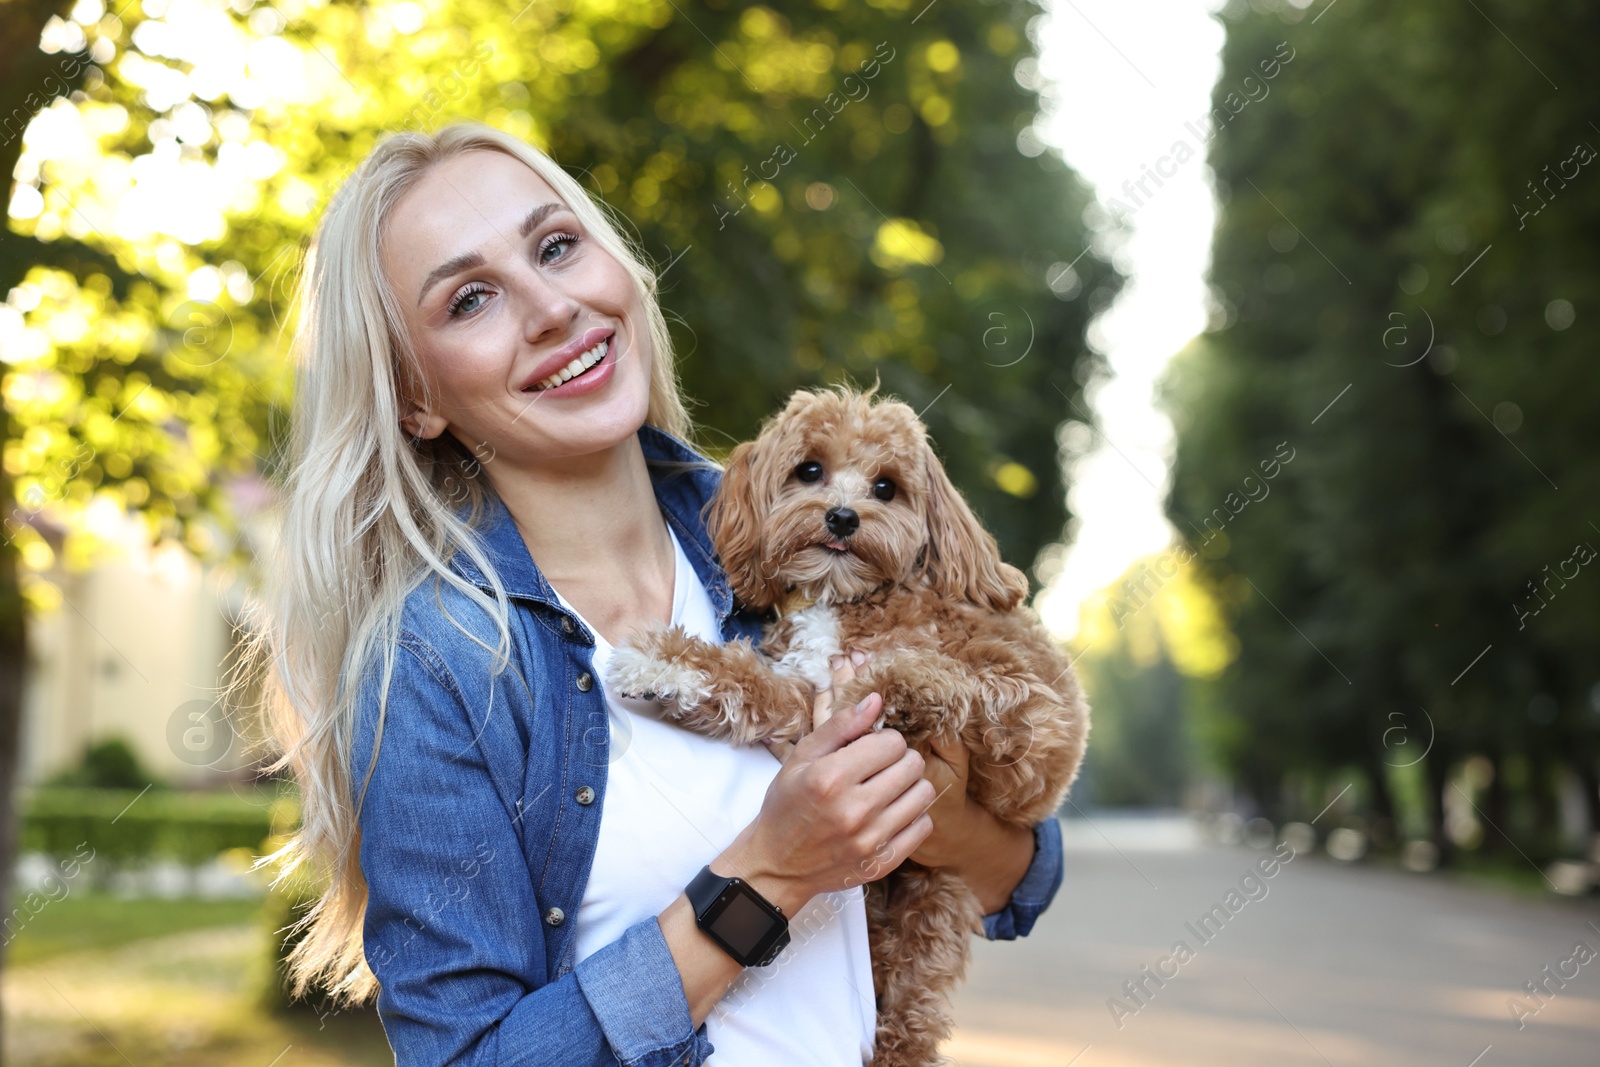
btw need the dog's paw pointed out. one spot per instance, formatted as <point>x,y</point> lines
<point>892,716</point>
<point>640,674</point>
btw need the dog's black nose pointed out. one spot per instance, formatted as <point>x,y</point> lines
<point>842,522</point>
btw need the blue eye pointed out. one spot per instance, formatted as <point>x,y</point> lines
<point>459,304</point>
<point>563,241</point>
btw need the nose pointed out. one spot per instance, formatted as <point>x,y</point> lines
<point>841,522</point>
<point>547,307</point>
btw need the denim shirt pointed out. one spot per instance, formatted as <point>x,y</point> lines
<point>479,822</point>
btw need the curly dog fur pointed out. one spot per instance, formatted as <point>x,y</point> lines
<point>840,520</point>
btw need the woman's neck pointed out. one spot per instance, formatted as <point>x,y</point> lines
<point>594,530</point>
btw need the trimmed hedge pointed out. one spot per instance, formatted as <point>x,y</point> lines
<point>124,828</point>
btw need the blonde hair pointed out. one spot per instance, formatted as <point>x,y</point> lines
<point>368,513</point>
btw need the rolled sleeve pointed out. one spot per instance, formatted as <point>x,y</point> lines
<point>1036,890</point>
<point>634,989</point>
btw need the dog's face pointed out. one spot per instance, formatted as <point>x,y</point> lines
<point>841,495</point>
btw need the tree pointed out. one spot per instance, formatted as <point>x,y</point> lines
<point>1392,315</point>
<point>105,397</point>
<point>832,191</point>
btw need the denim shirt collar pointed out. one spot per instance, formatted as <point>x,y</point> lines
<point>684,482</point>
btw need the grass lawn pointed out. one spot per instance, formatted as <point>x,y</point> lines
<point>98,922</point>
<point>94,981</point>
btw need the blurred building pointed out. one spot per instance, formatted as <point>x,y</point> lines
<point>136,648</point>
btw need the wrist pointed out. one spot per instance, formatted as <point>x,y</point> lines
<point>744,860</point>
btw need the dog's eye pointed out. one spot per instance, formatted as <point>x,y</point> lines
<point>883,489</point>
<point>809,471</point>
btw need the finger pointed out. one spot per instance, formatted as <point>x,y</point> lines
<point>894,778</point>
<point>953,760</point>
<point>841,729</point>
<point>870,755</point>
<point>949,748</point>
<point>781,750</point>
<point>902,844</point>
<point>940,773</point>
<point>822,708</point>
<point>902,811</point>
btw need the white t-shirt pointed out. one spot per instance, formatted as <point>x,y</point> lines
<point>674,800</point>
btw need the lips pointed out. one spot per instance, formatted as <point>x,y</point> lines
<point>574,369</point>
<point>835,546</point>
<point>571,361</point>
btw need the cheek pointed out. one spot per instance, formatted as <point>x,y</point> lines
<point>606,286</point>
<point>614,295</point>
<point>458,370</point>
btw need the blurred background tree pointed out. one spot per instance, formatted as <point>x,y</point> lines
<point>831,192</point>
<point>1404,243</point>
<point>121,392</point>
<point>834,191</point>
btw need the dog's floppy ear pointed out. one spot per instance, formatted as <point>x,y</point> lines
<point>735,523</point>
<point>962,559</point>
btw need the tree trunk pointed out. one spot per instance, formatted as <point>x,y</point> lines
<point>24,87</point>
<point>1590,777</point>
<point>1497,807</point>
<point>1385,831</point>
<point>1438,768</point>
<point>1544,786</point>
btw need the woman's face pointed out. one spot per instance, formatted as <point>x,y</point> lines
<point>531,336</point>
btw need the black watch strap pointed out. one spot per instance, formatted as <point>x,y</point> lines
<point>704,888</point>
<point>746,925</point>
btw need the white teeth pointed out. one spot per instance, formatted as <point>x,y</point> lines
<point>575,368</point>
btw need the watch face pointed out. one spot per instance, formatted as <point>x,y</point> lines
<point>743,924</point>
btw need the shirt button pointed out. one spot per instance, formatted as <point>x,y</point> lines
<point>566,624</point>
<point>585,682</point>
<point>554,917</point>
<point>585,795</point>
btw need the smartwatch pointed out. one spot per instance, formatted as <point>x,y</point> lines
<point>749,927</point>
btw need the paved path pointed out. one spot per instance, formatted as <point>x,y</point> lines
<point>1328,965</point>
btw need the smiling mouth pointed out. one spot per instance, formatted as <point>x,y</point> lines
<point>580,366</point>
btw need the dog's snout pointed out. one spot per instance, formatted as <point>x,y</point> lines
<point>842,522</point>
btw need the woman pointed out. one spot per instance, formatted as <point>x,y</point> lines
<point>488,490</point>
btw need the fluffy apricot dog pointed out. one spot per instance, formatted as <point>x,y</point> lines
<point>840,521</point>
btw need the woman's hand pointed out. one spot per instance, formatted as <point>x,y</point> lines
<point>989,855</point>
<point>848,806</point>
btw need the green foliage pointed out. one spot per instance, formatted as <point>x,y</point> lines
<point>1400,544</point>
<point>108,764</point>
<point>831,191</point>
<point>902,236</point>
<point>1141,754</point>
<point>121,827</point>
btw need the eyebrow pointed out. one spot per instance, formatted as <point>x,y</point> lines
<point>469,260</point>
